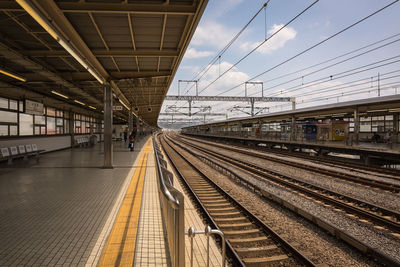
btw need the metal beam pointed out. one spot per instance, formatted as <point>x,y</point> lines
<point>58,18</point>
<point>193,115</point>
<point>129,8</point>
<point>228,98</point>
<point>85,76</point>
<point>106,53</point>
<point>40,70</point>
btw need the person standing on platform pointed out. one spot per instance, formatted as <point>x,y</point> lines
<point>126,134</point>
<point>132,140</point>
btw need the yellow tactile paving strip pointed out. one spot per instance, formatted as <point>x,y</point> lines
<point>120,247</point>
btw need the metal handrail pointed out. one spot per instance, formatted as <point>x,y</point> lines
<point>172,206</point>
<point>192,232</point>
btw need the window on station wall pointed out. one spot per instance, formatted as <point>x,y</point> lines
<point>50,112</point>
<point>40,125</point>
<point>59,122</point>
<point>8,119</point>
<point>378,124</point>
<point>13,104</point>
<point>13,130</point>
<point>3,103</point>
<point>365,124</point>
<point>51,125</point>
<point>389,126</point>
<point>77,126</point>
<point>4,130</point>
<point>66,126</point>
<point>25,124</point>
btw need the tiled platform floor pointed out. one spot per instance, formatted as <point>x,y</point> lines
<point>53,213</point>
<point>150,243</point>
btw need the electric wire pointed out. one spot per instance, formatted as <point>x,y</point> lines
<point>313,46</point>
<point>259,45</point>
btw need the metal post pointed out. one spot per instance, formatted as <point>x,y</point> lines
<point>71,127</point>
<point>395,128</point>
<point>197,88</point>
<point>108,122</point>
<point>245,89</point>
<point>293,129</point>
<point>379,84</point>
<point>252,106</point>
<point>179,87</point>
<point>262,89</point>
<point>294,105</point>
<point>190,108</point>
<point>356,125</point>
<point>130,122</point>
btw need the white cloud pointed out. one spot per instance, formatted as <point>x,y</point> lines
<point>212,34</point>
<point>230,79</point>
<point>194,53</point>
<point>276,42</point>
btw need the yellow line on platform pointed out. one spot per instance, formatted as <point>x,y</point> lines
<point>120,247</point>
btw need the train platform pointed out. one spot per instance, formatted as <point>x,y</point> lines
<point>66,210</point>
<point>365,151</point>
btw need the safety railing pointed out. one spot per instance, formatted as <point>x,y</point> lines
<point>192,232</point>
<point>172,206</point>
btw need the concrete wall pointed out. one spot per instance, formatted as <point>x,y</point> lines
<point>48,143</point>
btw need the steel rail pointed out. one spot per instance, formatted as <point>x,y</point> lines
<point>311,189</point>
<point>349,177</point>
<point>359,245</point>
<point>285,244</point>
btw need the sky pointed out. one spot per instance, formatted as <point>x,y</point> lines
<point>357,62</point>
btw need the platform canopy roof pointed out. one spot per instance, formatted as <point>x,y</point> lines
<point>73,46</point>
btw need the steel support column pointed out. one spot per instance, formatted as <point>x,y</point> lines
<point>356,126</point>
<point>395,128</point>
<point>130,122</point>
<point>293,129</point>
<point>71,127</point>
<point>108,124</point>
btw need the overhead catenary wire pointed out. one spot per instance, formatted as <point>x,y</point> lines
<point>337,57</point>
<point>219,55</point>
<point>334,58</point>
<point>351,84</point>
<point>330,66</point>
<point>313,46</point>
<point>259,45</point>
<point>337,75</point>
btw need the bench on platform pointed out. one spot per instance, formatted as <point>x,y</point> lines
<point>22,151</point>
<point>82,141</point>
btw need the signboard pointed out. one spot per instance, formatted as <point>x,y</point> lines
<point>34,147</point>
<point>117,107</point>
<point>35,108</point>
<point>14,150</point>
<point>28,148</point>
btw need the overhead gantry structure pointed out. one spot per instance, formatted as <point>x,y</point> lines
<point>90,54</point>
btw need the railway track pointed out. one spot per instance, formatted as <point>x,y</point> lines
<point>361,168</point>
<point>377,215</point>
<point>249,241</point>
<point>348,177</point>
